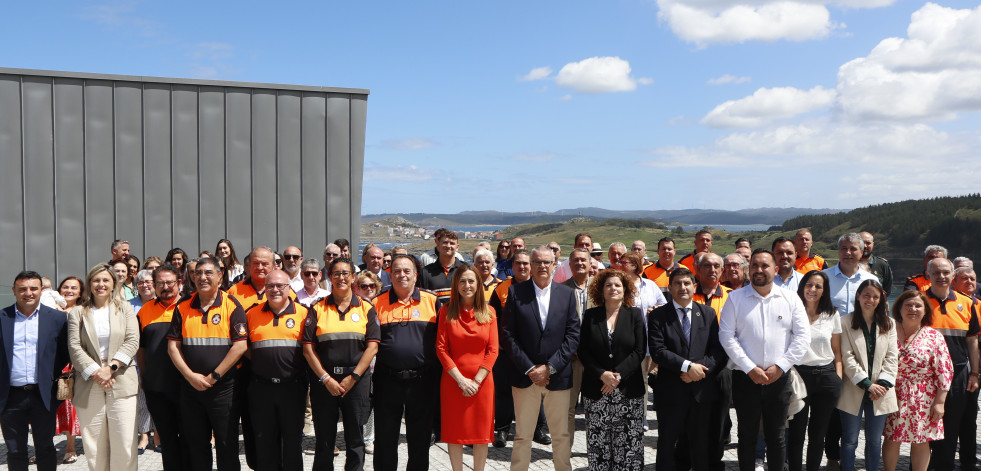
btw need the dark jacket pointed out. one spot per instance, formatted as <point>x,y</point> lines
<point>670,349</point>
<point>52,352</point>
<point>527,344</point>
<point>624,356</point>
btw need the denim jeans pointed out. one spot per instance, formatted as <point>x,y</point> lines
<point>850,426</point>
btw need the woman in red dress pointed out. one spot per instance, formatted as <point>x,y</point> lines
<point>466,344</point>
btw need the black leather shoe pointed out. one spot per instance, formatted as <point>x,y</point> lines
<point>542,438</point>
<point>500,439</point>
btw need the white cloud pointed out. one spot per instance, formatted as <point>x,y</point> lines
<point>565,97</point>
<point>768,104</point>
<point>409,143</point>
<point>734,21</point>
<point>409,173</point>
<point>727,79</point>
<point>931,75</point>
<point>538,73</point>
<point>598,75</point>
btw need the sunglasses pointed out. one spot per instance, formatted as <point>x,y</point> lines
<point>278,261</point>
<point>311,273</point>
<point>367,286</point>
<point>290,256</point>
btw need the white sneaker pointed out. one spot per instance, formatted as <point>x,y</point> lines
<point>759,465</point>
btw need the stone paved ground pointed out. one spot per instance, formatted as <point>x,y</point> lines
<point>498,459</point>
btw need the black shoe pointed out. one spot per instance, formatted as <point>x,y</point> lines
<point>433,438</point>
<point>542,438</point>
<point>500,439</point>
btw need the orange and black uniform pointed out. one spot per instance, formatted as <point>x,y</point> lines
<point>278,393</point>
<point>714,300</point>
<point>659,275</point>
<point>918,281</point>
<point>814,262</point>
<point>688,261</point>
<point>244,291</point>
<point>160,380</point>
<point>407,375</point>
<point>206,334</point>
<point>489,288</point>
<point>439,279</point>
<point>956,317</point>
<point>341,338</point>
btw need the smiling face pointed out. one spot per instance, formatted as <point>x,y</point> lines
<point>710,270</point>
<point>613,290</point>
<point>521,267</point>
<point>869,298</point>
<point>732,269</point>
<point>484,265</point>
<point>542,263</point>
<point>71,290</point>
<point>260,264</point>
<point>28,294</point>
<point>101,285</point>
<point>167,286</point>
<point>207,278</point>
<point>813,289</point>
<point>121,269</point>
<point>762,269</point>
<point>467,287</point>
<point>277,288</point>
<point>403,275</point>
<point>913,311</point>
<point>849,254</point>
<point>144,286</point>
<point>665,253</point>
<point>341,277</point>
<point>579,263</point>
<point>224,250</point>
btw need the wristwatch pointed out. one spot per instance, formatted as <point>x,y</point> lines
<point>215,375</point>
<point>113,367</point>
<point>356,376</point>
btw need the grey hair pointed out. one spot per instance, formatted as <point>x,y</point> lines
<point>543,249</point>
<point>310,263</point>
<point>143,274</point>
<point>483,253</point>
<point>618,245</point>
<point>964,260</point>
<point>935,248</point>
<point>963,270</point>
<point>743,263</point>
<point>854,238</point>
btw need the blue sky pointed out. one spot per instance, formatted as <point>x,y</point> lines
<point>621,104</point>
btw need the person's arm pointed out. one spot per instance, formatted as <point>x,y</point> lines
<point>801,335</point>
<point>590,365</point>
<point>972,355</point>
<point>85,366</point>
<point>836,349</point>
<point>850,366</point>
<point>715,356</point>
<point>196,380</point>
<point>131,341</point>
<point>491,351</point>
<point>727,337</point>
<point>665,358</point>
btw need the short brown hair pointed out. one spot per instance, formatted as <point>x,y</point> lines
<point>897,307</point>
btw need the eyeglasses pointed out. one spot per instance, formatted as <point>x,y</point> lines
<point>331,254</point>
<point>145,282</point>
<point>366,287</point>
<point>276,286</point>
<point>291,256</point>
<point>340,274</point>
<point>541,262</point>
<point>554,249</point>
<point>310,273</point>
<point>166,284</point>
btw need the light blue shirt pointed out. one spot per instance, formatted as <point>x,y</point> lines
<point>792,283</point>
<point>23,369</point>
<point>843,289</point>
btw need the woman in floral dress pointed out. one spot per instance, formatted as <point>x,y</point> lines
<point>925,373</point>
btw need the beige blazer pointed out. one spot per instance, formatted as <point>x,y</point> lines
<point>83,346</point>
<point>856,367</point>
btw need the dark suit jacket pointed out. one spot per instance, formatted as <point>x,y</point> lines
<point>527,344</point>
<point>669,349</point>
<point>52,352</point>
<point>624,356</point>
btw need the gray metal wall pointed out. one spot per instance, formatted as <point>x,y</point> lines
<point>162,163</point>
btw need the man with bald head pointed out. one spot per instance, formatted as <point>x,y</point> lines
<point>735,271</point>
<point>616,252</point>
<point>374,261</point>
<point>563,272</point>
<point>956,317</point>
<point>292,258</point>
<point>807,261</point>
<point>639,247</point>
<point>277,395</point>
<point>331,253</point>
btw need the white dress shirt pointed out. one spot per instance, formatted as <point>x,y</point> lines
<point>843,288</point>
<point>764,331</point>
<point>792,283</point>
<point>307,299</point>
<point>542,296</point>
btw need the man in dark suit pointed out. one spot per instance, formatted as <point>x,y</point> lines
<point>683,337</point>
<point>35,349</point>
<point>540,333</point>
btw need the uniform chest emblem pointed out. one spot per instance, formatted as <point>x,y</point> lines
<point>355,317</point>
<point>240,328</point>
<point>308,321</point>
<point>960,307</point>
<point>415,314</point>
<point>290,323</point>
<point>216,319</point>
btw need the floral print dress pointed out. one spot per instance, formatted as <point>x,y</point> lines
<point>924,369</point>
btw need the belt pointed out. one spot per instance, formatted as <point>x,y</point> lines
<point>808,369</point>
<point>276,380</point>
<point>341,370</point>
<point>403,374</point>
<point>26,387</point>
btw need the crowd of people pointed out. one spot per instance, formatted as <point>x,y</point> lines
<point>195,349</point>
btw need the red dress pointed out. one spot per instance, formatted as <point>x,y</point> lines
<point>468,346</point>
<point>66,420</point>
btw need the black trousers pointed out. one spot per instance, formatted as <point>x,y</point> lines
<point>415,398</point>
<point>955,414</point>
<point>26,407</point>
<point>163,408</point>
<point>354,408</point>
<point>823,389</point>
<point>277,412</point>
<point>243,378</point>
<point>216,411</point>
<point>686,419</point>
<point>769,403</point>
<point>969,433</point>
<point>718,428</point>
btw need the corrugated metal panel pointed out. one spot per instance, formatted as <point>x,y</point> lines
<point>171,163</point>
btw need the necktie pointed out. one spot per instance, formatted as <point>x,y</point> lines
<point>685,323</point>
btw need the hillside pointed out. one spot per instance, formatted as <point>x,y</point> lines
<point>904,228</point>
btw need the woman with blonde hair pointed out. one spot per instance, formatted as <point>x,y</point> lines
<point>103,336</point>
<point>467,346</point>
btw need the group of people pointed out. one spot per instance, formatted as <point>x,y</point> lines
<point>461,351</point>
